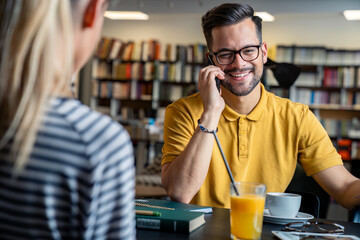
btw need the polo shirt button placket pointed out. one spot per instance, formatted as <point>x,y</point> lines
<point>242,137</point>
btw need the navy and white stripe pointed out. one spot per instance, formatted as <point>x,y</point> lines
<point>78,182</point>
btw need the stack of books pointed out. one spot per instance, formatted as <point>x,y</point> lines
<point>169,216</point>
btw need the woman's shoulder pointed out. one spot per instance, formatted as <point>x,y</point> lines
<point>89,124</point>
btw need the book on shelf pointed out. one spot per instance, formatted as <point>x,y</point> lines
<point>190,53</point>
<point>121,90</point>
<point>157,51</point>
<point>284,54</point>
<point>127,54</point>
<point>178,71</point>
<point>348,77</point>
<point>104,47</point>
<point>105,90</point>
<point>122,71</point>
<point>181,52</point>
<point>317,55</point>
<point>307,79</point>
<point>199,53</point>
<point>115,49</point>
<point>188,72</point>
<point>136,52</point>
<point>342,57</point>
<point>310,55</point>
<point>344,148</point>
<point>170,52</point>
<point>148,71</point>
<point>101,69</point>
<point>174,216</point>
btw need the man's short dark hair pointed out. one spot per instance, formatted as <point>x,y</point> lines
<point>228,14</point>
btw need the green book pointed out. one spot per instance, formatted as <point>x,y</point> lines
<point>169,216</point>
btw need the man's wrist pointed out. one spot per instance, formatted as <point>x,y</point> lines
<point>204,129</point>
<point>210,121</point>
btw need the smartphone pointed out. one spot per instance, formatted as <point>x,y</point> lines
<point>217,80</point>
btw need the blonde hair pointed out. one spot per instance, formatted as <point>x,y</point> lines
<point>31,68</point>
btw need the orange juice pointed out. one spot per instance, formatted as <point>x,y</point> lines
<point>246,216</point>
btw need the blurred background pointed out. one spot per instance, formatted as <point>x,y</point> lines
<point>141,66</point>
<point>313,22</point>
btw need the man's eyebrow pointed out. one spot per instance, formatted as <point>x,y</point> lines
<point>224,49</point>
<point>227,49</point>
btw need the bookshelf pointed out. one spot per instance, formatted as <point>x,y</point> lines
<point>329,83</point>
<point>133,82</point>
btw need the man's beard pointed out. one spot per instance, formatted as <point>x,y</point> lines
<point>240,89</point>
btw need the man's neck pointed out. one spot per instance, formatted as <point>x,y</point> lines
<point>243,104</point>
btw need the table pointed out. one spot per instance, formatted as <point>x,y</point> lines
<point>217,227</point>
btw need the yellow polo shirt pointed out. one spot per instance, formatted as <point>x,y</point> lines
<point>263,146</point>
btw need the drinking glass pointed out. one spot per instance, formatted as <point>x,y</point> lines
<point>247,201</point>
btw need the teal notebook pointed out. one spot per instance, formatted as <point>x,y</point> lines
<point>174,216</point>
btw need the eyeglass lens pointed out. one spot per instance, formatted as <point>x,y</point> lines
<point>329,227</point>
<point>247,54</point>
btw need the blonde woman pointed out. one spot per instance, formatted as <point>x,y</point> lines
<point>66,172</point>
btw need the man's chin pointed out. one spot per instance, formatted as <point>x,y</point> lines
<point>242,90</point>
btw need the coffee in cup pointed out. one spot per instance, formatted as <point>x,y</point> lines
<point>285,205</point>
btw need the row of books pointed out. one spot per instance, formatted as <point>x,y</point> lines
<point>317,55</point>
<point>170,216</point>
<point>163,71</point>
<point>345,77</point>
<point>135,90</point>
<point>345,134</point>
<point>122,90</point>
<point>318,97</point>
<point>347,148</point>
<point>305,79</point>
<point>149,50</point>
<point>337,128</point>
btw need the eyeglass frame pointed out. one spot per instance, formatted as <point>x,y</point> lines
<point>305,225</point>
<point>235,52</point>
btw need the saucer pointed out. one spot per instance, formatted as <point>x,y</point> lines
<point>300,217</point>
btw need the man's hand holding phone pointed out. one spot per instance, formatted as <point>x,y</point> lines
<point>213,103</point>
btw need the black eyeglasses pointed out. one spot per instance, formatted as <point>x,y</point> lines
<point>249,53</point>
<point>314,227</point>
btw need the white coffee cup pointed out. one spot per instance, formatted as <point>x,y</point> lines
<point>285,205</point>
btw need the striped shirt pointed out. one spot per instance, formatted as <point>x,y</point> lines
<point>78,182</point>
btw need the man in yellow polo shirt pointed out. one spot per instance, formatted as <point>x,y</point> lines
<point>262,136</point>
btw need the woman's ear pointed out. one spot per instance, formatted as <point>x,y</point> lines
<point>90,14</point>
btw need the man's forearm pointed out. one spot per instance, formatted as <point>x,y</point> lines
<point>183,177</point>
<point>341,185</point>
<point>352,196</point>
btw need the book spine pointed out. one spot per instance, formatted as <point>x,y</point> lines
<point>166,225</point>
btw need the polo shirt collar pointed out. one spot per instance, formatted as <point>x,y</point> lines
<point>255,114</point>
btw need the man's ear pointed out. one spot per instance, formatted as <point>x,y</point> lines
<point>264,52</point>
<point>90,14</point>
